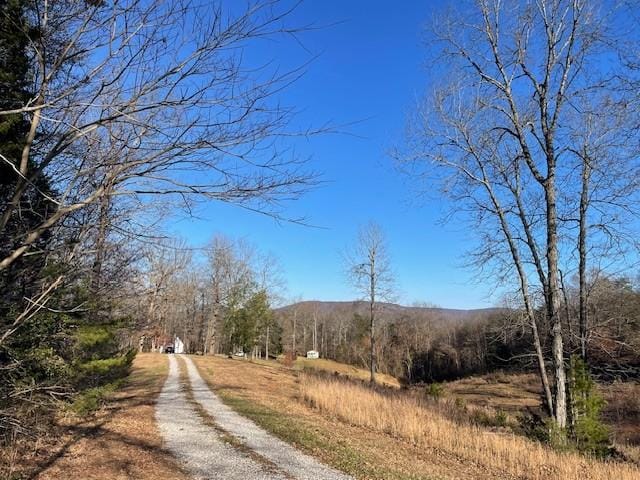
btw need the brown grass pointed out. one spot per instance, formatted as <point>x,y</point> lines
<point>514,393</point>
<point>269,394</point>
<point>510,393</point>
<point>343,369</point>
<point>405,417</point>
<point>121,441</point>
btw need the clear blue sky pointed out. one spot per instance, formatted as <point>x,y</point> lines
<point>370,67</point>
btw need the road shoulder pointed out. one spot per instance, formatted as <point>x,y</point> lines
<point>122,441</point>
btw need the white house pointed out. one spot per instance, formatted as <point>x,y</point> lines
<point>178,345</point>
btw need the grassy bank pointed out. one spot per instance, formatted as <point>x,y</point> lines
<point>408,418</point>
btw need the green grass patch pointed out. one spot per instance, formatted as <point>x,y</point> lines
<point>92,399</point>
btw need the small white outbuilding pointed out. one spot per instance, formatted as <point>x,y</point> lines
<point>178,345</point>
<point>313,354</point>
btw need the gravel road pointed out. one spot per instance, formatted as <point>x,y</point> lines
<point>200,447</point>
<point>295,463</point>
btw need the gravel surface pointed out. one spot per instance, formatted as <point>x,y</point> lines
<point>199,447</point>
<point>295,463</point>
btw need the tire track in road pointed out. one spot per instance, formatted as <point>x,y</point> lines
<point>293,462</point>
<point>199,447</point>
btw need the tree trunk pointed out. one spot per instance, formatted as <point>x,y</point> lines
<point>315,331</point>
<point>522,276</point>
<point>100,245</point>
<point>553,304</point>
<point>201,326</point>
<point>304,338</point>
<point>566,306</point>
<point>582,251</point>
<point>209,347</point>
<point>295,321</point>
<point>372,324</point>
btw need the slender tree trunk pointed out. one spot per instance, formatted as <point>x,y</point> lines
<point>372,324</point>
<point>211,323</point>
<point>566,306</point>
<point>100,244</point>
<point>522,276</point>
<point>266,345</point>
<point>542,370</point>
<point>582,249</point>
<point>315,331</point>
<point>553,304</point>
<point>295,321</point>
<point>201,325</point>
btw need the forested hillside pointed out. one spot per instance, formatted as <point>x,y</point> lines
<point>425,344</point>
<point>340,331</point>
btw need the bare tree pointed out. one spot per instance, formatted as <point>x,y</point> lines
<point>503,133</point>
<point>162,268</point>
<point>369,271</point>
<point>236,271</point>
<point>292,316</point>
<point>151,98</point>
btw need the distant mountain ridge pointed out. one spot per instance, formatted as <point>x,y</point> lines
<point>389,309</point>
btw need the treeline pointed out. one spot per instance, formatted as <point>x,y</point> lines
<point>432,345</point>
<point>222,301</point>
<point>340,331</point>
<point>216,299</point>
<point>504,341</point>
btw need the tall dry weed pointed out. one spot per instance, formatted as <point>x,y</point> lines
<point>410,419</point>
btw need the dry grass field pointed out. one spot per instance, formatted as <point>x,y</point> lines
<point>408,418</point>
<point>514,393</point>
<point>343,369</point>
<point>270,394</point>
<point>510,393</point>
<point>386,435</point>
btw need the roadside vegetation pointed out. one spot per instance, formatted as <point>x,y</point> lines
<point>106,109</point>
<point>118,440</point>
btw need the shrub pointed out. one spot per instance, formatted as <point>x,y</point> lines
<point>500,418</point>
<point>488,418</point>
<point>93,398</point>
<point>461,404</point>
<point>98,372</point>
<point>534,427</point>
<point>435,390</point>
<point>588,433</point>
<point>289,359</point>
